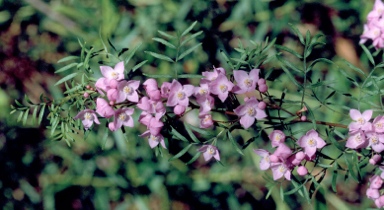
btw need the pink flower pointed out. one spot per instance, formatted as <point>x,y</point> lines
<point>179,94</point>
<point>87,117</point>
<point>165,88</point>
<point>152,107</point>
<point>249,112</point>
<point>123,117</point>
<point>375,141</point>
<point>283,152</point>
<point>378,124</point>
<point>221,87</point>
<point>103,108</point>
<point>380,201</point>
<point>310,142</point>
<point>153,141</point>
<point>117,73</point>
<point>375,182</point>
<point>377,11</point>
<point>361,121</point>
<point>150,86</point>
<point>279,170</point>
<point>373,193</point>
<point>211,76</point>
<point>265,162</point>
<point>153,125</point>
<point>276,137</point>
<point>210,151</point>
<point>127,91</point>
<point>206,121</point>
<point>245,82</point>
<point>206,104</point>
<point>202,91</point>
<point>357,140</point>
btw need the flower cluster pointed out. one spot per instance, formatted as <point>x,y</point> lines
<point>283,160</point>
<point>365,134</point>
<point>117,96</point>
<point>374,28</point>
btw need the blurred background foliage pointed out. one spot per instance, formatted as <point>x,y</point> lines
<point>123,172</point>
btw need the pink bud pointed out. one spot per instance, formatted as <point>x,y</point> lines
<point>375,159</point>
<point>303,118</point>
<point>300,156</point>
<point>111,103</point>
<point>263,88</point>
<point>179,109</point>
<point>86,95</point>
<point>302,171</point>
<point>273,159</point>
<point>261,81</point>
<point>111,126</point>
<point>88,87</point>
<point>262,105</point>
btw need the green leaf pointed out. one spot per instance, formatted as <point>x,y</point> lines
<point>34,114</point>
<point>190,133</point>
<point>188,29</point>
<point>67,67</point>
<point>68,58</point>
<point>334,178</point>
<point>164,42</point>
<point>160,56</point>
<point>187,52</point>
<point>280,47</point>
<point>137,66</point>
<point>289,64</point>
<point>181,153</point>
<point>158,75</point>
<point>291,77</point>
<point>316,61</point>
<point>354,67</point>
<point>176,134</point>
<point>110,44</point>
<point>307,38</point>
<point>195,157</point>
<point>227,59</point>
<point>190,38</point>
<point>41,114</point>
<point>205,132</point>
<point>297,32</point>
<point>281,193</point>
<point>348,160</point>
<point>26,112</point>
<point>128,58</point>
<point>169,36</point>
<point>369,55</point>
<point>66,78</point>
<point>197,76</point>
<point>232,140</point>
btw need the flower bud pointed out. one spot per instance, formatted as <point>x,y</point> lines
<point>113,83</point>
<point>375,159</point>
<point>111,103</point>
<point>86,95</point>
<point>302,171</point>
<point>300,156</point>
<point>88,87</point>
<point>262,105</point>
<point>303,118</point>
<point>273,159</point>
<point>261,81</point>
<point>263,88</point>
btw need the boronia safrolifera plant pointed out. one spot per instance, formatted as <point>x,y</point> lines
<point>270,91</point>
